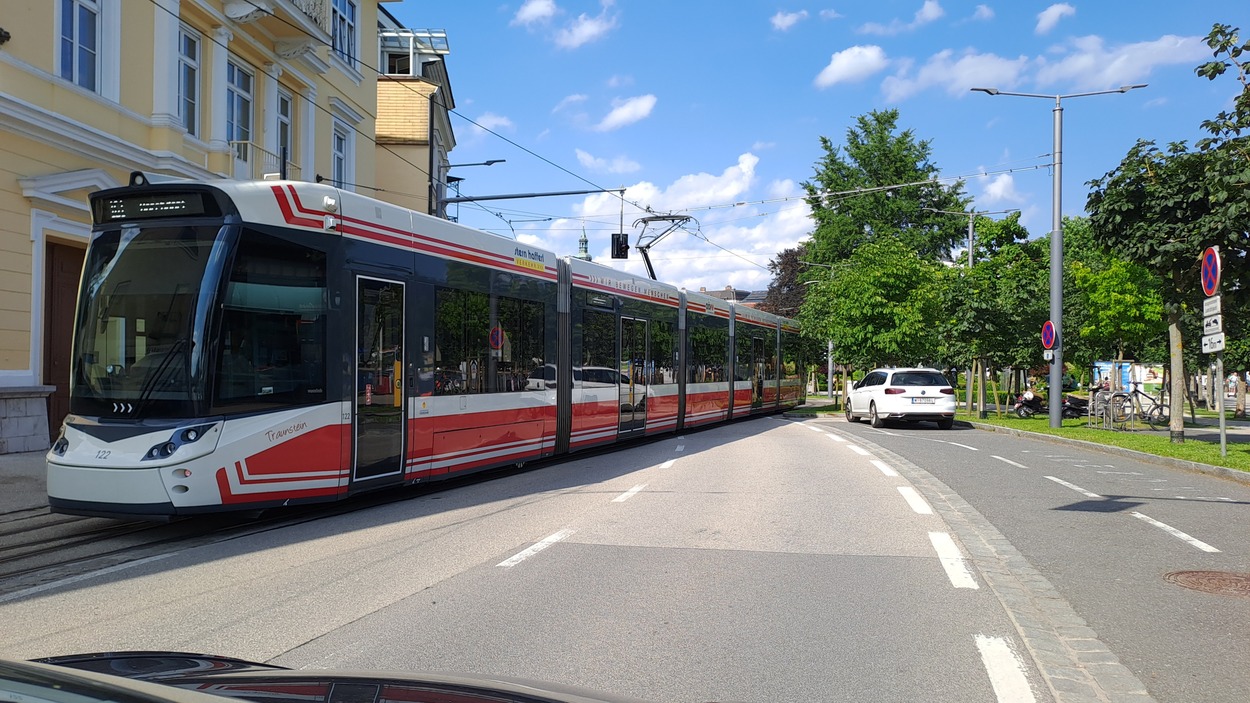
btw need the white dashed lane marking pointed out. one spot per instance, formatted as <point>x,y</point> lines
<point>1009,461</point>
<point>531,551</point>
<point>1005,669</point>
<point>952,561</point>
<point>1175,532</point>
<point>913,499</point>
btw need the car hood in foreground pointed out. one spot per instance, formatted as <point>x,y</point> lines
<point>265,683</point>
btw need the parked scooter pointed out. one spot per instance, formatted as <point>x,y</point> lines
<point>1074,407</point>
<point>1029,404</point>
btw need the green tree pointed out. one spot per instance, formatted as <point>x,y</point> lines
<point>1113,308</point>
<point>878,307</point>
<point>856,195</point>
<point>995,310</point>
<point>1161,208</point>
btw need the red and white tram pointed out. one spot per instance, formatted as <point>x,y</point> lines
<point>242,345</point>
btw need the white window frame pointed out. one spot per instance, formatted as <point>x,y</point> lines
<point>342,162</point>
<point>70,11</point>
<point>240,103</point>
<point>189,80</point>
<point>344,27</point>
<point>284,129</point>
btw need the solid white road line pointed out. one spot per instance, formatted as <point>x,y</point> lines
<point>1006,670</point>
<point>668,464</point>
<point>836,438</point>
<point>952,561</point>
<point>531,551</point>
<point>957,444</point>
<point>629,494</point>
<point>1175,532</point>
<point>1074,487</point>
<point>916,502</point>
<point>1005,460</point>
<point>858,449</point>
<point>813,428</point>
<point>885,468</point>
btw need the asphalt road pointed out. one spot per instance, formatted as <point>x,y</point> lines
<point>772,559</point>
<point>1107,531</point>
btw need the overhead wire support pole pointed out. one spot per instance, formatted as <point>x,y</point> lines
<point>674,221</point>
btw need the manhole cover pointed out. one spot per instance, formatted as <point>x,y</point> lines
<point>1219,582</point>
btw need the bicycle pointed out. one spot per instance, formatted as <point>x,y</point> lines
<point>1153,410</point>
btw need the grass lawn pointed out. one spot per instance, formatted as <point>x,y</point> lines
<point>1200,451</point>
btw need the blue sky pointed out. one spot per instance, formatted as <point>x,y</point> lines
<point>715,109</point>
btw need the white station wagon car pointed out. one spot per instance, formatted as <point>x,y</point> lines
<point>902,394</point>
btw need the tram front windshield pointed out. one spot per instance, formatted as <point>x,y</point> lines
<point>147,293</point>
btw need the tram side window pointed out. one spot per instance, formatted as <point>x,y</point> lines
<point>485,348</point>
<point>273,326</point>
<point>599,362</point>
<point>709,344</point>
<point>663,352</point>
<point>791,357</point>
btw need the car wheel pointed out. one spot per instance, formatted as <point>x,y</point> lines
<point>876,419</point>
<point>850,416</point>
<point>946,423</point>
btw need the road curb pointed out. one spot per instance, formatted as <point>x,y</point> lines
<point>1209,469</point>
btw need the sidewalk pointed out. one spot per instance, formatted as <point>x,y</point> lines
<point>23,481</point>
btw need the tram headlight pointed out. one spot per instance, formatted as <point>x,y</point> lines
<point>61,445</point>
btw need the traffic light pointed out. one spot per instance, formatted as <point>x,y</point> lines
<point>620,245</point>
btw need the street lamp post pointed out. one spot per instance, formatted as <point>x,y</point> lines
<point>1056,238</point>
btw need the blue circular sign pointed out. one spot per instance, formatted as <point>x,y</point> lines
<point>1210,271</point>
<point>1048,334</point>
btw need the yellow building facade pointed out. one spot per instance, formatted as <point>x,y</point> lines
<point>91,90</point>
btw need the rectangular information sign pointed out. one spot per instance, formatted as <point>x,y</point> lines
<point>1212,343</point>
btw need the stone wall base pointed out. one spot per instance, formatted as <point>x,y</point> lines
<point>24,419</point>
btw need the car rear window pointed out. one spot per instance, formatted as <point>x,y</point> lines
<point>919,378</point>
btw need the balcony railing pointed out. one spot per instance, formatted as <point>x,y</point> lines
<point>253,161</point>
<point>318,10</point>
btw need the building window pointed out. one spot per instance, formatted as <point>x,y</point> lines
<point>238,109</point>
<point>343,29</point>
<point>398,64</point>
<point>341,155</point>
<point>189,80</point>
<point>80,43</point>
<point>284,124</point>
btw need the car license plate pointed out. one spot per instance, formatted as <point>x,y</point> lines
<point>922,401</point>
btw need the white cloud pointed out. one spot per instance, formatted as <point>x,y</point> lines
<point>785,20</point>
<point>568,101</point>
<point>929,12</point>
<point>1000,189</point>
<point>830,14</point>
<point>750,232</point>
<point>852,65</point>
<point>1090,65</point>
<point>489,121</point>
<point>626,112</point>
<point>1048,18</point>
<point>534,11</point>
<point>956,74</point>
<point>983,12</point>
<point>586,29</point>
<point>619,81</point>
<point>619,164</point>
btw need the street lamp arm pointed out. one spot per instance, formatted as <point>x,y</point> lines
<point>1057,98</point>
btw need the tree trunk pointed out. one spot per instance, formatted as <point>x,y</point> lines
<point>1176,423</point>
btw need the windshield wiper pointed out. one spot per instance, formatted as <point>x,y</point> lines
<point>149,384</point>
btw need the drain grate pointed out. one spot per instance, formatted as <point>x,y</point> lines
<point>1218,582</point>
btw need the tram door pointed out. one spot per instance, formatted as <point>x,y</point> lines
<point>633,376</point>
<point>379,413</point>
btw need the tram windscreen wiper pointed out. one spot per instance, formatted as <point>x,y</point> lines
<point>149,383</point>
